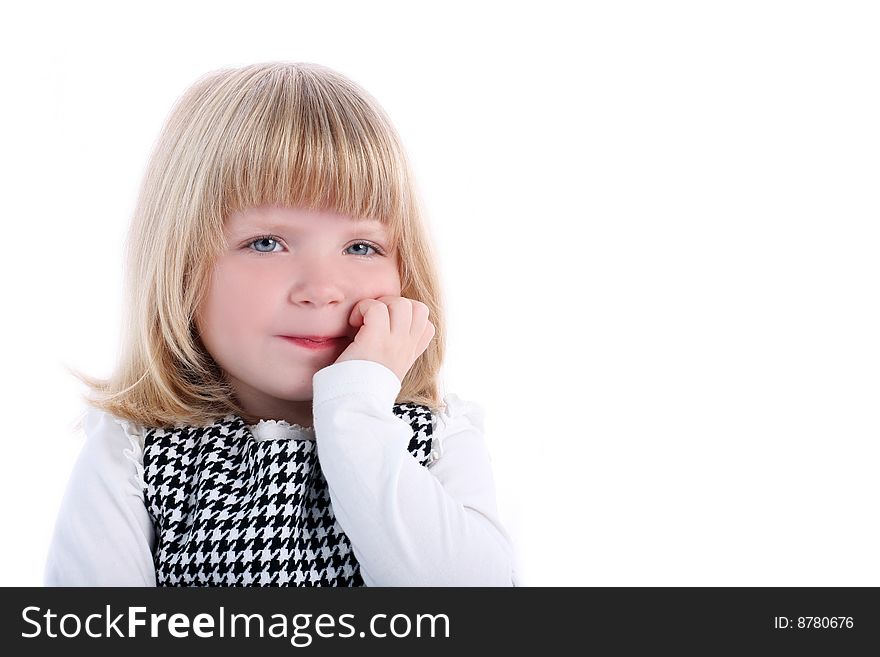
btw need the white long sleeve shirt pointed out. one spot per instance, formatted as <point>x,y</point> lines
<point>408,524</point>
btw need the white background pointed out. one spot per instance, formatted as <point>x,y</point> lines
<point>658,225</point>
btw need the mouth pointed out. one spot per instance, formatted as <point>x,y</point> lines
<point>313,341</point>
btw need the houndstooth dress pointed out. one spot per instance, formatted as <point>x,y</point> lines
<point>231,510</point>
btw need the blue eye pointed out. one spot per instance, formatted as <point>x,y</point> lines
<point>366,244</point>
<point>272,238</point>
<point>266,238</point>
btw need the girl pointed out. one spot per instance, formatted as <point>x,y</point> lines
<point>275,419</point>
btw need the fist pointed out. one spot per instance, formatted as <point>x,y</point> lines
<point>393,331</point>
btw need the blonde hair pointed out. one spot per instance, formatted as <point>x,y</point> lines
<point>280,133</point>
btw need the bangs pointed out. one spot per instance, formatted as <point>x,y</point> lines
<point>292,138</point>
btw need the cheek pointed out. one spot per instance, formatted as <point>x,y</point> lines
<point>236,300</point>
<point>384,283</point>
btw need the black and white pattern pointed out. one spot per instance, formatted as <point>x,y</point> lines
<point>231,510</point>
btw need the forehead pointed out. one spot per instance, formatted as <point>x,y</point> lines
<point>298,220</point>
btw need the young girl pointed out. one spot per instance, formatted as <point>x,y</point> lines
<point>275,418</point>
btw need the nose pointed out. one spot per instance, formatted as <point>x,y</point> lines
<point>314,296</point>
<point>315,283</point>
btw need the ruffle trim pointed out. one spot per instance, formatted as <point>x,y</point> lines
<point>280,430</point>
<point>455,408</point>
<point>282,423</point>
<point>135,452</point>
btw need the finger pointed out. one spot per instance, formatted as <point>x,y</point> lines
<point>400,314</point>
<point>427,335</point>
<point>356,318</point>
<point>375,317</point>
<point>420,312</point>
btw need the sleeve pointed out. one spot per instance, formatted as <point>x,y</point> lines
<point>409,525</point>
<point>103,535</point>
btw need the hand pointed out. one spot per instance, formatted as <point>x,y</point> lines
<point>394,331</point>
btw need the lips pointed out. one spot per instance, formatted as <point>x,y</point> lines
<point>324,343</point>
<point>314,338</point>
